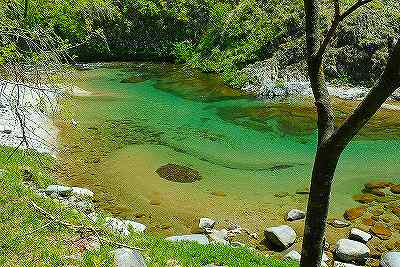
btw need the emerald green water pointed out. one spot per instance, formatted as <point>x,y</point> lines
<point>246,148</point>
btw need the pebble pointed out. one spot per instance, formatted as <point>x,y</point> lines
<point>295,214</point>
<point>360,236</point>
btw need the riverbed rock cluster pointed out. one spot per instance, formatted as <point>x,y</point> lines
<point>81,199</point>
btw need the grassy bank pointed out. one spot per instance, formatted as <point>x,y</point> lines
<point>35,239</point>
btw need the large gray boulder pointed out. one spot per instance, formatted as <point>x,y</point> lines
<point>295,214</point>
<point>125,257</point>
<point>359,235</point>
<point>60,190</point>
<point>281,236</point>
<point>391,259</point>
<point>199,238</point>
<point>351,251</point>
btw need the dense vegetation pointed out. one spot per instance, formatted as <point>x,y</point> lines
<point>213,35</point>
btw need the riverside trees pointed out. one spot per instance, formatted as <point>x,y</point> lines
<point>333,140</point>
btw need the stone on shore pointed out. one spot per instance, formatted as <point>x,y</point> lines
<point>220,236</point>
<point>281,236</point>
<point>117,226</point>
<point>359,235</point>
<point>206,223</point>
<point>82,192</point>
<point>295,214</point>
<point>351,251</point>
<point>125,257</point>
<point>137,227</point>
<point>391,259</point>
<point>60,190</point>
<point>293,255</point>
<point>343,264</point>
<point>199,238</point>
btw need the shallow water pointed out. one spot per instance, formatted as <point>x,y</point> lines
<point>246,148</point>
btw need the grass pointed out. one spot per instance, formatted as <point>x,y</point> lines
<point>29,240</point>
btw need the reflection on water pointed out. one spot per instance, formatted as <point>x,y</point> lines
<point>252,156</point>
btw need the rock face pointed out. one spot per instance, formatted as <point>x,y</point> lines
<point>199,238</point>
<point>206,223</point>
<point>390,259</point>
<point>360,236</point>
<point>281,236</point>
<point>178,173</point>
<point>295,214</point>
<point>125,257</point>
<point>351,251</point>
<point>59,190</point>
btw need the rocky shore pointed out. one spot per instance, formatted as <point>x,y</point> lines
<point>371,236</point>
<point>267,84</point>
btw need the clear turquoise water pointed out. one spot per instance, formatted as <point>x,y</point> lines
<point>185,118</point>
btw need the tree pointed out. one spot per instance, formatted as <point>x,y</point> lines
<point>331,140</point>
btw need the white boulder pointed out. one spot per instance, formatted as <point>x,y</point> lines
<point>359,235</point>
<point>351,251</point>
<point>281,236</point>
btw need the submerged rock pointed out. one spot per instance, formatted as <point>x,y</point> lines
<point>178,173</point>
<point>338,223</point>
<point>199,238</point>
<point>125,257</point>
<point>351,251</point>
<point>281,236</point>
<point>218,194</point>
<point>381,231</point>
<point>295,214</point>
<point>133,79</point>
<point>354,213</point>
<point>395,189</point>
